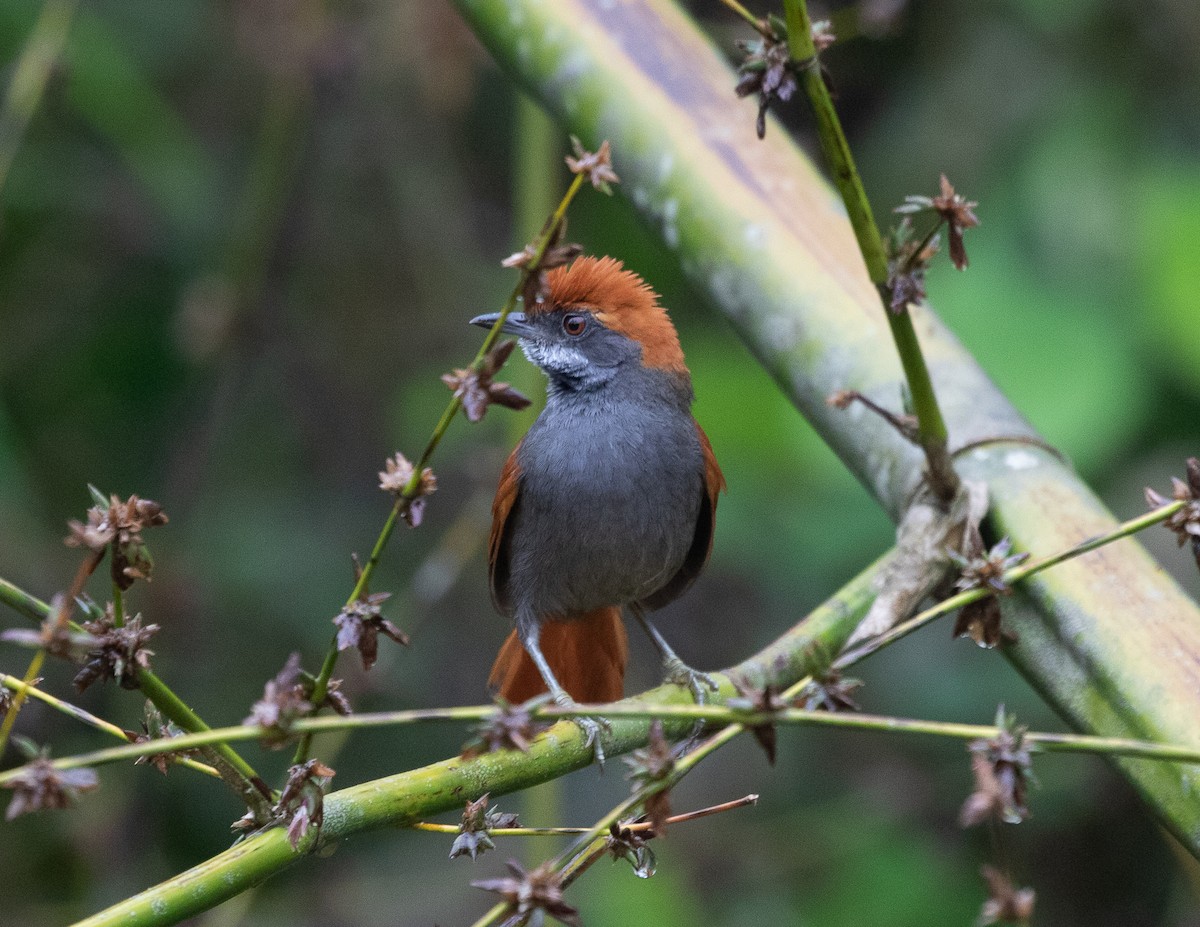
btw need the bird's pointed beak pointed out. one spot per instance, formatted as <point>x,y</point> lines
<point>515,324</point>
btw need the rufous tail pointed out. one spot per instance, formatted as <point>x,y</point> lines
<point>587,655</point>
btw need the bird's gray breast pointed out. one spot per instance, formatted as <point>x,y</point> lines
<point>609,494</point>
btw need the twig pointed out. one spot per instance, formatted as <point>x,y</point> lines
<point>321,686</point>
<point>638,827</point>
<point>931,427</point>
<point>61,618</point>
<point>79,714</point>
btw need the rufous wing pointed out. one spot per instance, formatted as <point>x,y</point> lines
<point>502,509</point>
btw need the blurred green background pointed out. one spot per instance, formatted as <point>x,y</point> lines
<point>239,243</point>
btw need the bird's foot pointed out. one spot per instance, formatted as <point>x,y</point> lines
<point>592,727</point>
<point>677,672</point>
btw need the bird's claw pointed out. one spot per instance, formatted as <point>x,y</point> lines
<point>591,727</point>
<point>677,672</point>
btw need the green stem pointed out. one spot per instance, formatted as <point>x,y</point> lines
<point>741,11</point>
<point>234,770</point>
<point>86,717</point>
<point>932,432</point>
<point>22,602</point>
<point>321,686</point>
<point>118,605</point>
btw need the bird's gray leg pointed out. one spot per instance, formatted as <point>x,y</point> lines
<point>530,631</point>
<point>674,669</point>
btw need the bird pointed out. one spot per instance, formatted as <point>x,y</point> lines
<point>609,501</point>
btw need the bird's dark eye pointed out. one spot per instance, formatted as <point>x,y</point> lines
<point>574,324</point>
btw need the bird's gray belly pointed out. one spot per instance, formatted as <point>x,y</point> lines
<point>603,520</point>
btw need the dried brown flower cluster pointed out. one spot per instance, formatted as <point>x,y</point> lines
<point>1002,767</point>
<point>395,477</point>
<point>909,257</point>
<point>477,820</point>
<point>527,892</point>
<point>1006,904</point>
<point>39,786</point>
<point>633,847</point>
<point>653,764</point>
<point>115,652</point>
<point>829,691</point>
<point>760,701</point>
<point>154,727</point>
<point>478,390</point>
<point>361,622</point>
<point>556,253</point>
<point>301,804</point>
<point>1186,522</point>
<point>284,701</point>
<point>595,166</point>
<point>510,727</point>
<point>826,691</point>
<point>121,524</point>
<point>766,69</point>
<point>981,620</point>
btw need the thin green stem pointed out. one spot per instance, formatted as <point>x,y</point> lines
<point>744,13</point>
<point>1058,742</point>
<point>932,432</point>
<point>234,770</point>
<point>22,602</point>
<point>118,604</point>
<point>321,686</point>
<point>637,827</point>
<point>86,717</point>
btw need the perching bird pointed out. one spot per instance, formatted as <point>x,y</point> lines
<point>609,501</point>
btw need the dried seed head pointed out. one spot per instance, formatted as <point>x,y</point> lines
<point>284,701</point>
<point>121,524</point>
<point>510,727</point>
<point>39,786</point>
<point>596,166</point>
<point>1186,521</point>
<point>1002,767</point>
<point>476,388</point>
<point>361,622</point>
<point>529,891</point>
<point>477,820</point>
<point>395,477</point>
